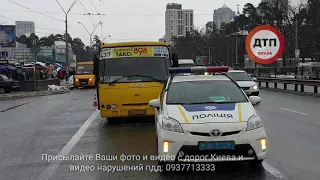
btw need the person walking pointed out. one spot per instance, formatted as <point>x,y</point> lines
<point>61,75</point>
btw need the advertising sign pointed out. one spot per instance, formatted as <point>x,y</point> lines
<point>265,44</point>
<point>200,60</point>
<point>7,36</point>
<point>139,51</point>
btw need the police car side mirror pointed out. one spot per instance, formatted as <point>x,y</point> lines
<point>254,100</point>
<point>155,103</point>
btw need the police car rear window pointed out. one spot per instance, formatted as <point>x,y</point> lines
<point>197,92</point>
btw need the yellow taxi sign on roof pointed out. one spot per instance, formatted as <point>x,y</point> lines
<point>137,43</point>
<point>85,63</point>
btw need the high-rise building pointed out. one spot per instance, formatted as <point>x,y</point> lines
<point>178,21</point>
<point>24,28</point>
<point>223,15</point>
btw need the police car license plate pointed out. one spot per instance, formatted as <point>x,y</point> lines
<point>137,112</point>
<point>216,145</point>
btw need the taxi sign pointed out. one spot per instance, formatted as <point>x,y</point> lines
<point>264,44</point>
<point>135,51</point>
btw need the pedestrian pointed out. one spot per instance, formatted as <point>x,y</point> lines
<point>61,75</point>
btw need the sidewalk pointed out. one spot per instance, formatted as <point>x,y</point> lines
<point>68,83</point>
<point>19,95</point>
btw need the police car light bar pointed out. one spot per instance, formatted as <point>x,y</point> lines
<point>210,69</point>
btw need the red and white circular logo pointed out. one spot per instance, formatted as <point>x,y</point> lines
<point>264,44</point>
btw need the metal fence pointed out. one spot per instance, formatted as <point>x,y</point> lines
<point>285,72</point>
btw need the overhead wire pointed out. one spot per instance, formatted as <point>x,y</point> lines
<point>108,14</point>
<point>88,13</point>
<point>49,16</point>
<point>101,25</point>
<point>54,30</point>
<point>36,11</point>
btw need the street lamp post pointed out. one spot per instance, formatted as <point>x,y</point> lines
<point>90,34</point>
<point>66,36</point>
<point>105,38</point>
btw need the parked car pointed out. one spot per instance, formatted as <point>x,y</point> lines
<point>7,85</point>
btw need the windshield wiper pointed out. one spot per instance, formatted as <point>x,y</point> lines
<point>114,81</point>
<point>151,77</point>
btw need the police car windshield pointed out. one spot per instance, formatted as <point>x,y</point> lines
<point>239,76</point>
<point>200,92</point>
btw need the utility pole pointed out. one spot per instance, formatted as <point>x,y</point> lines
<point>237,61</point>
<point>297,52</point>
<point>94,28</point>
<point>66,35</point>
<point>209,59</point>
<point>90,35</point>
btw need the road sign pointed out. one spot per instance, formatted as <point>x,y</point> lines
<point>4,54</point>
<point>200,60</point>
<point>265,44</point>
<point>35,50</point>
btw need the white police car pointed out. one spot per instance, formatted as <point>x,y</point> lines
<point>207,118</point>
<point>245,81</point>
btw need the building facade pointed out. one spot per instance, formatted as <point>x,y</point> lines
<point>60,52</point>
<point>24,28</point>
<point>223,15</point>
<point>24,55</point>
<point>178,21</point>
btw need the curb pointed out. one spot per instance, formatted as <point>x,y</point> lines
<point>45,93</point>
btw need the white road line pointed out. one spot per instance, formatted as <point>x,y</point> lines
<point>295,111</point>
<point>273,171</point>
<point>50,170</point>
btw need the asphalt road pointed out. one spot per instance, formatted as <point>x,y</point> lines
<point>67,124</point>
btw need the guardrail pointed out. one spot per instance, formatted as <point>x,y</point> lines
<point>298,85</point>
<point>290,72</point>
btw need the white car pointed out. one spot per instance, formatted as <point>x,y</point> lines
<point>245,81</point>
<point>201,118</point>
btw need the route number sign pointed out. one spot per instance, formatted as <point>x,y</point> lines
<point>264,44</point>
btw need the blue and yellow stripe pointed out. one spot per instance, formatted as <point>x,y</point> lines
<point>183,114</point>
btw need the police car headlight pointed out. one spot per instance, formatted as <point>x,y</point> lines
<point>171,125</point>
<point>255,87</point>
<point>254,122</point>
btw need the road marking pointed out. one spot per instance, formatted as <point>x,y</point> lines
<point>295,111</point>
<point>13,107</point>
<point>273,171</point>
<point>47,173</point>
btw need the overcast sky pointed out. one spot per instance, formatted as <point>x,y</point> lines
<point>124,20</point>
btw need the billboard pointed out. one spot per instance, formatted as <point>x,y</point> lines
<point>201,61</point>
<point>7,36</point>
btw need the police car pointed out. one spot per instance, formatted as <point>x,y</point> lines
<point>207,118</point>
<point>245,81</point>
